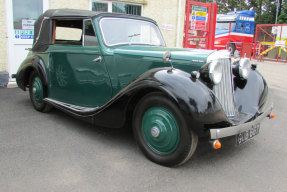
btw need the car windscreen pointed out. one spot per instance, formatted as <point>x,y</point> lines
<point>122,31</point>
<point>225,25</point>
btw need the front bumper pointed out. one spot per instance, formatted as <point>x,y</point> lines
<point>218,133</point>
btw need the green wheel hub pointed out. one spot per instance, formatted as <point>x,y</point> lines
<point>160,130</point>
<point>37,90</point>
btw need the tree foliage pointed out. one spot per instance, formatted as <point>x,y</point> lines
<point>283,16</point>
<point>265,9</point>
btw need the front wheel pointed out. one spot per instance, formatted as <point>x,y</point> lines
<point>37,92</point>
<point>161,131</point>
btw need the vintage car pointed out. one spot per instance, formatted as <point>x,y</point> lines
<point>114,70</point>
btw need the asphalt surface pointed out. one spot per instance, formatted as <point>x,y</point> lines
<point>54,152</point>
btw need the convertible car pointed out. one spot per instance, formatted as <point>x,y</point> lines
<point>114,70</point>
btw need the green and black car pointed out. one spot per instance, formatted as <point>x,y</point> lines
<point>114,70</point>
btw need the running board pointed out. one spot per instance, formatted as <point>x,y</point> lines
<point>71,108</point>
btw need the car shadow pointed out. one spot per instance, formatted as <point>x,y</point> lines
<point>203,155</point>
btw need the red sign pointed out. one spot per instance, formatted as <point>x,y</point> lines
<point>200,25</point>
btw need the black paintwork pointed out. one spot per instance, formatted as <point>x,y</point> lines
<point>197,102</point>
<point>30,64</point>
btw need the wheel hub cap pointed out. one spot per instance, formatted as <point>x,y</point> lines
<point>155,132</point>
<point>160,130</point>
<point>37,90</point>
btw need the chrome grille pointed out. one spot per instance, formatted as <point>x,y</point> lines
<point>224,90</point>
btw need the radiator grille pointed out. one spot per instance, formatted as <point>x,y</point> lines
<point>224,90</point>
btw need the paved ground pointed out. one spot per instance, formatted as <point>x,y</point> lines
<point>54,152</point>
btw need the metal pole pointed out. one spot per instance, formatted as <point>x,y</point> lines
<point>277,10</point>
<point>178,23</point>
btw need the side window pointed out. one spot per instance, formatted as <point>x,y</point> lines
<point>67,32</point>
<point>90,38</point>
<point>240,26</point>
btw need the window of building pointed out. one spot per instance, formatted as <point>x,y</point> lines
<point>116,7</point>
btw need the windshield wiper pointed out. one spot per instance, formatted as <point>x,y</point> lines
<point>132,36</point>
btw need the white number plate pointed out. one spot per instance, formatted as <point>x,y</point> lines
<point>246,135</point>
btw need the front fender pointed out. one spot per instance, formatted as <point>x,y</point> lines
<point>197,102</point>
<point>250,95</point>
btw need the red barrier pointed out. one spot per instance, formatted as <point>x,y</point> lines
<point>271,42</point>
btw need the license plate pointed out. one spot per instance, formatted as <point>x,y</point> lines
<point>246,135</point>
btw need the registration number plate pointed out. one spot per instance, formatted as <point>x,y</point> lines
<point>246,135</point>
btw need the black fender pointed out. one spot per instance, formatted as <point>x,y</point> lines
<point>30,64</point>
<point>195,100</point>
<point>250,95</point>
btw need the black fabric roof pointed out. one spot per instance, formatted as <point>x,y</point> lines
<point>43,24</point>
<point>69,13</point>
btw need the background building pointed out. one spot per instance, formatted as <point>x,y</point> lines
<point>17,21</point>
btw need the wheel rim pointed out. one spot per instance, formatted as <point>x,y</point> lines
<point>160,130</point>
<point>37,90</point>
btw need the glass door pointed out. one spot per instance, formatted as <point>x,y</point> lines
<point>21,16</point>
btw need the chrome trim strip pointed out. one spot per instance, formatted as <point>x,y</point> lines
<point>234,130</point>
<point>71,107</point>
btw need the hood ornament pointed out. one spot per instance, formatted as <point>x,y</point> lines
<point>167,59</point>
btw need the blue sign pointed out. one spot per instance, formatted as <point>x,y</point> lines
<point>200,18</point>
<point>26,36</point>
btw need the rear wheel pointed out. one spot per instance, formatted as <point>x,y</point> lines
<point>161,131</point>
<point>37,93</point>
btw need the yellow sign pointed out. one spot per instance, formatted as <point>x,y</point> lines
<point>199,13</point>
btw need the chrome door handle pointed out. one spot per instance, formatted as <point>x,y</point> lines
<point>98,59</point>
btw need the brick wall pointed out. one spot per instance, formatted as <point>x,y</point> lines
<point>3,47</point>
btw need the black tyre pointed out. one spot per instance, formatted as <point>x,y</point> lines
<point>37,93</point>
<point>161,131</point>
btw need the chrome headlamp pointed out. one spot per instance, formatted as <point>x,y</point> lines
<point>244,68</point>
<point>215,71</point>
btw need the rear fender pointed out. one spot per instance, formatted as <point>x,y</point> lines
<point>30,64</point>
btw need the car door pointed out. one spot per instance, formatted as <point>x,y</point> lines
<point>77,69</point>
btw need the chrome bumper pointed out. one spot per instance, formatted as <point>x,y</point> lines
<point>218,133</point>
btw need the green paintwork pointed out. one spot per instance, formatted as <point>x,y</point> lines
<point>161,119</point>
<point>132,61</point>
<point>37,89</point>
<point>73,77</point>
